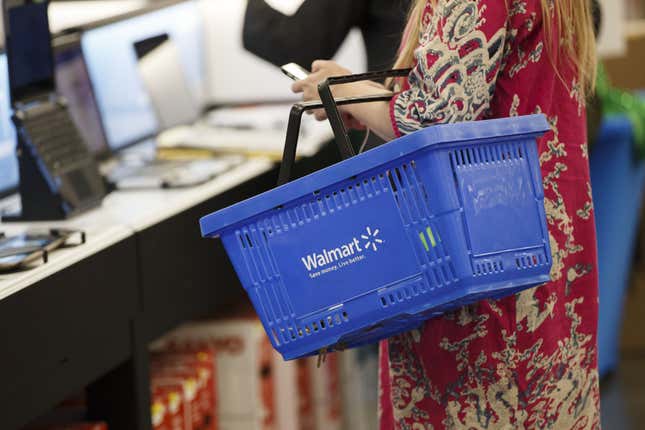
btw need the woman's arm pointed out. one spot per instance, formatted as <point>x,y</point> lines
<point>375,116</point>
<point>456,66</point>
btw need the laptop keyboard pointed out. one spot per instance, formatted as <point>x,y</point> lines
<point>56,138</point>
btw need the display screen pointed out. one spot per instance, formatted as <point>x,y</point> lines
<point>73,83</point>
<point>126,108</point>
<point>8,161</point>
<point>29,49</point>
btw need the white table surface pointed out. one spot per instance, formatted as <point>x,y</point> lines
<point>122,214</point>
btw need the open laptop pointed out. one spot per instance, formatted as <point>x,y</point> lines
<point>160,68</point>
<point>8,162</point>
<point>58,175</point>
<point>128,118</point>
<point>257,130</point>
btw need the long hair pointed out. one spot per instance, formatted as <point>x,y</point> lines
<point>569,36</point>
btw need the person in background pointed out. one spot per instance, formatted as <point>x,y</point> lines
<point>319,27</point>
<point>529,360</point>
<point>317,30</point>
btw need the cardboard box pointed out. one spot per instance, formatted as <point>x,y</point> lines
<point>326,392</point>
<point>626,72</point>
<point>202,362</point>
<point>306,412</point>
<point>167,408</point>
<point>159,414</point>
<point>632,338</point>
<point>256,389</point>
<point>187,388</point>
<point>359,369</point>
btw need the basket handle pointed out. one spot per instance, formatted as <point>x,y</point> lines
<point>331,108</point>
<point>331,105</point>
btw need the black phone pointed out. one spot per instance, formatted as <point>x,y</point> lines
<point>146,46</point>
<point>295,71</point>
<point>17,252</point>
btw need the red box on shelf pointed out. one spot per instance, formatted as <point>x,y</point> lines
<point>187,388</point>
<point>202,361</point>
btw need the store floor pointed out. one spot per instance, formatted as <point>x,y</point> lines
<point>623,395</point>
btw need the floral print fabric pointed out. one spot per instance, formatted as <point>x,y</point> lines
<point>527,361</point>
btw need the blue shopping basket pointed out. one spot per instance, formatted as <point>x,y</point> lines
<point>374,245</point>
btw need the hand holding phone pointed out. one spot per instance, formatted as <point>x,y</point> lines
<point>295,71</point>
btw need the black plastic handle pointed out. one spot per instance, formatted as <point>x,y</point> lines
<point>331,108</point>
<point>293,131</point>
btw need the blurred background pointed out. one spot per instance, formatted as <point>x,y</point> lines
<point>219,72</point>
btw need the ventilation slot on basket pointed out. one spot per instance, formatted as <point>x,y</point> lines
<point>327,201</point>
<point>262,268</point>
<point>319,324</point>
<point>528,261</point>
<point>400,294</point>
<point>487,154</point>
<point>488,267</point>
<point>414,206</point>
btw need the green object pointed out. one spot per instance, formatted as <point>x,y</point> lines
<point>422,236</point>
<point>431,236</point>
<point>425,242</point>
<point>618,102</point>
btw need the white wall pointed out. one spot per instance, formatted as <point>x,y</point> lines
<point>612,37</point>
<point>236,75</point>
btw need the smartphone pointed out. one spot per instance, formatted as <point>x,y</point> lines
<point>295,71</point>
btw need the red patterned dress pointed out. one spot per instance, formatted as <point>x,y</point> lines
<point>527,361</point>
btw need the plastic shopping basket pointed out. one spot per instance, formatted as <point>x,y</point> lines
<point>379,242</point>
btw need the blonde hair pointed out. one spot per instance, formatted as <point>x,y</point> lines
<point>571,40</point>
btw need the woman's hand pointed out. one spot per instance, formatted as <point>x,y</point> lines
<point>320,70</point>
<point>372,115</point>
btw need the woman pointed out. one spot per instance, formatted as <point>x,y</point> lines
<point>527,361</point>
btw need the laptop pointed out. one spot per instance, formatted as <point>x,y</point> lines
<point>73,82</point>
<point>252,130</point>
<point>129,121</point>
<point>58,175</point>
<point>160,68</point>
<point>8,162</point>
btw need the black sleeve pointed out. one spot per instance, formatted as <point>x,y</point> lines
<point>315,31</point>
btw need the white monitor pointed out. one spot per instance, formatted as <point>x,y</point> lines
<point>126,108</point>
<point>163,76</point>
<point>8,162</point>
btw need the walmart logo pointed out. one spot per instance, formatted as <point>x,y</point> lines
<point>372,239</point>
<point>349,250</point>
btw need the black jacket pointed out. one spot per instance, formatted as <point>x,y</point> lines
<point>319,27</point>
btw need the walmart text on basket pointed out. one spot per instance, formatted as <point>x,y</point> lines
<point>343,255</point>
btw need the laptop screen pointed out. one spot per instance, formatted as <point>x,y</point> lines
<point>31,70</point>
<point>73,83</point>
<point>8,162</point>
<point>163,76</point>
<point>126,107</point>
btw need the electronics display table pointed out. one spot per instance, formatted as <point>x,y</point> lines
<point>87,316</point>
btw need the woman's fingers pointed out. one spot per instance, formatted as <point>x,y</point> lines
<point>320,114</point>
<point>299,86</point>
<point>317,65</point>
<point>321,70</point>
<point>303,84</point>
